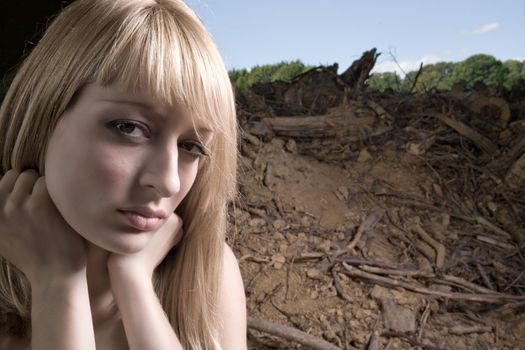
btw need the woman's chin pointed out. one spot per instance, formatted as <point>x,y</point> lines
<point>125,245</point>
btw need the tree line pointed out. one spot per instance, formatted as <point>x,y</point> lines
<point>440,76</point>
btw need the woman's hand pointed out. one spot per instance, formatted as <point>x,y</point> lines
<point>131,282</point>
<point>33,234</point>
<point>145,261</point>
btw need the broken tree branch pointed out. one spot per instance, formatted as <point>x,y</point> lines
<point>481,141</point>
<point>292,334</point>
<point>480,298</point>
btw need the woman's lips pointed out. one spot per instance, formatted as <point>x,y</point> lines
<point>140,222</point>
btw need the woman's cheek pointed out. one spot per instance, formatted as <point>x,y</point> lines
<point>111,168</point>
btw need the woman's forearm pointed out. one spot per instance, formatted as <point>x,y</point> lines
<point>145,322</point>
<point>61,314</point>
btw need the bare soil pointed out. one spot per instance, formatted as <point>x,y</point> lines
<point>330,234</point>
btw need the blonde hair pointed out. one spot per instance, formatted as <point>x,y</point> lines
<point>162,49</point>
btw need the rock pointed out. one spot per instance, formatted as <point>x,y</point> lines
<point>251,138</point>
<point>279,224</point>
<point>437,189</point>
<point>291,146</point>
<point>313,273</point>
<point>314,294</point>
<point>268,176</point>
<point>364,156</point>
<point>257,222</point>
<point>260,129</point>
<point>419,148</point>
<point>380,293</point>
<point>398,318</point>
<point>493,207</point>
<point>281,171</point>
<point>278,260</point>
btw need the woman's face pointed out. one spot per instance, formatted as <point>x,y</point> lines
<point>118,164</point>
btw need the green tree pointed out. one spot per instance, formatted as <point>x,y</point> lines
<point>382,81</point>
<point>284,71</point>
<point>432,76</point>
<point>288,71</point>
<point>479,68</point>
<point>515,72</point>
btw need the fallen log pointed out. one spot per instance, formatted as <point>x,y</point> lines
<point>337,125</point>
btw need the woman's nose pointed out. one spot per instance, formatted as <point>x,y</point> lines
<point>162,172</point>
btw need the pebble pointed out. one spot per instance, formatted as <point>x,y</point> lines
<point>279,224</point>
<point>398,318</point>
<point>257,222</point>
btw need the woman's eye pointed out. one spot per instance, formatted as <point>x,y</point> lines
<point>128,128</point>
<point>194,148</point>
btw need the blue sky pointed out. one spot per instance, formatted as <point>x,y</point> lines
<point>255,32</point>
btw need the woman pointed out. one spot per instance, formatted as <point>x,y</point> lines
<point>118,157</point>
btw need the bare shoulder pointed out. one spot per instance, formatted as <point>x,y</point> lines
<point>232,304</point>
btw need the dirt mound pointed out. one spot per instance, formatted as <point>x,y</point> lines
<point>381,221</point>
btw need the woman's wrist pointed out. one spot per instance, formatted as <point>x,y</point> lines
<point>59,284</point>
<point>121,279</point>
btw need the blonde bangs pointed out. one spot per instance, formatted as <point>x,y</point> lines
<point>169,58</point>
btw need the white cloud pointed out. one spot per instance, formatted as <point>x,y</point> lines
<point>402,67</point>
<point>485,28</point>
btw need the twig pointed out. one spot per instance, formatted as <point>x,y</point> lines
<point>416,78</point>
<point>484,276</point>
<point>494,242</point>
<point>506,160</point>
<point>397,272</point>
<point>423,321</point>
<point>480,298</point>
<point>339,287</point>
<point>292,334</point>
<point>409,340</point>
<point>514,282</point>
<point>359,261</point>
<point>484,222</point>
<point>438,247</point>
<point>373,343</point>
<point>418,273</point>
<point>368,224</point>
<point>462,330</point>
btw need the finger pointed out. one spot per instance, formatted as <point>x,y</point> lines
<point>40,186</point>
<point>23,186</point>
<point>40,194</point>
<point>8,182</point>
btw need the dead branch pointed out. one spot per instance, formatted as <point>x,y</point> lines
<point>368,224</point>
<point>417,273</point>
<point>416,78</point>
<point>339,287</point>
<point>438,247</point>
<point>506,160</point>
<point>495,242</point>
<point>292,334</point>
<point>487,224</point>
<point>480,298</point>
<point>462,330</point>
<point>341,124</point>
<point>408,339</point>
<point>481,141</point>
